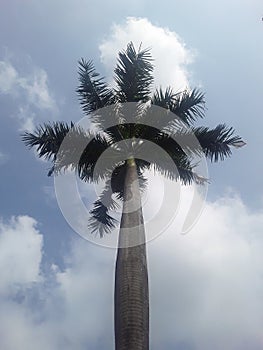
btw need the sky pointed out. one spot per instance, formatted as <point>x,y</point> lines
<point>206,287</point>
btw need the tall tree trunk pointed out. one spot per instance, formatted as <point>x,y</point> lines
<point>131,297</point>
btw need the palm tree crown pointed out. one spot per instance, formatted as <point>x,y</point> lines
<point>129,119</point>
<point>133,78</point>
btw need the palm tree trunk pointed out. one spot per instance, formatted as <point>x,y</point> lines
<point>131,297</point>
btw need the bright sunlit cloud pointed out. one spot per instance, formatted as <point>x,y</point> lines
<point>20,253</point>
<point>206,276</point>
<point>171,56</point>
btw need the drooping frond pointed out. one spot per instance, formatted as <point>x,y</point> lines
<point>216,143</point>
<point>100,220</point>
<point>133,75</point>
<point>93,91</point>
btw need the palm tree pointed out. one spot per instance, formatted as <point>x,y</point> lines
<point>133,78</point>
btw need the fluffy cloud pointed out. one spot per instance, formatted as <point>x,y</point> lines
<point>20,253</point>
<point>211,278</point>
<point>37,89</point>
<point>211,294</point>
<point>70,309</point>
<point>168,50</point>
<point>8,77</point>
<point>35,85</point>
<point>30,91</point>
<point>87,288</point>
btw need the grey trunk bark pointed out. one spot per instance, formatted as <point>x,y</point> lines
<point>131,298</point>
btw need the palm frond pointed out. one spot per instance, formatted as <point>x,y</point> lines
<point>69,147</point>
<point>114,119</point>
<point>186,175</point>
<point>154,119</point>
<point>164,99</point>
<point>133,74</point>
<point>216,143</point>
<point>97,156</point>
<point>180,140</point>
<point>93,91</point>
<point>100,221</point>
<point>87,167</point>
<point>187,105</point>
<point>47,139</point>
<point>174,160</point>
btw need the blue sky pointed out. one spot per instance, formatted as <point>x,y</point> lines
<point>56,289</point>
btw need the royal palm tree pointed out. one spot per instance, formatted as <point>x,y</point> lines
<point>133,84</point>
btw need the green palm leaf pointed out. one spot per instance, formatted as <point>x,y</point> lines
<point>216,143</point>
<point>93,91</point>
<point>100,220</point>
<point>133,75</point>
<point>80,150</point>
<point>187,105</point>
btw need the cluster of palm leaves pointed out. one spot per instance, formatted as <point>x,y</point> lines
<point>127,116</point>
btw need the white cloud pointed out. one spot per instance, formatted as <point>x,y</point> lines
<point>170,54</point>
<point>26,118</point>
<point>30,91</point>
<point>19,330</point>
<point>206,287</point>
<point>87,289</point>
<point>36,87</point>
<point>8,77</point>
<point>69,309</point>
<point>20,252</point>
<point>211,278</point>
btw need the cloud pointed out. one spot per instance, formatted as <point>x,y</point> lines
<point>34,85</point>
<point>60,309</point>
<point>171,56</point>
<point>29,91</point>
<point>211,278</point>
<point>37,90</point>
<point>206,287</point>
<point>87,288</point>
<point>20,253</point>
<point>8,77</point>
